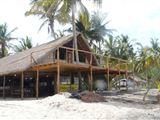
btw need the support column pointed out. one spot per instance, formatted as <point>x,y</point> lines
<point>37,83</point>
<point>58,73</point>
<point>126,73</point>
<point>4,83</point>
<point>108,74</point>
<point>119,72</point>
<point>22,85</point>
<point>90,76</point>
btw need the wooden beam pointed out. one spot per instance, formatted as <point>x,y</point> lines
<point>4,83</point>
<point>44,67</point>
<point>58,73</point>
<point>22,85</point>
<point>37,83</point>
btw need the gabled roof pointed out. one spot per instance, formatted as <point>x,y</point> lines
<point>22,61</point>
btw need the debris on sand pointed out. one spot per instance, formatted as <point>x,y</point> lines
<point>92,97</point>
<point>88,97</point>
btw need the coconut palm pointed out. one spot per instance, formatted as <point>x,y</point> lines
<point>93,28</point>
<point>25,43</point>
<point>98,29</point>
<point>147,64</point>
<point>40,8</point>
<point>5,38</point>
<point>119,47</point>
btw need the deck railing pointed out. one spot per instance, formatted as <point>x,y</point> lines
<point>85,57</point>
<point>90,58</point>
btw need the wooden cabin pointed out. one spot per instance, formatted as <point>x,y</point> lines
<point>51,67</point>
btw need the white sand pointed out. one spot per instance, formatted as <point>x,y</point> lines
<point>62,107</point>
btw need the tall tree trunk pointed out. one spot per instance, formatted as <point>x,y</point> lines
<point>148,88</point>
<point>99,47</point>
<point>75,43</point>
<point>3,50</point>
<point>52,28</point>
<point>74,32</point>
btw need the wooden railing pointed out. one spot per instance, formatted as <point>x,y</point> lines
<point>89,58</point>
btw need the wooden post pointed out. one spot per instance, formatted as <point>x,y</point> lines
<point>22,85</point>
<point>31,57</point>
<point>90,78</point>
<point>91,59</point>
<point>4,83</point>
<point>70,87</point>
<point>126,74</point>
<point>90,74</point>
<point>37,83</point>
<point>119,72</point>
<point>58,73</point>
<point>108,74</point>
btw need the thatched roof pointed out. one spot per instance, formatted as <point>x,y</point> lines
<point>22,61</point>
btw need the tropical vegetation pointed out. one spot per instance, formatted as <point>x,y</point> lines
<point>24,44</point>
<point>5,39</point>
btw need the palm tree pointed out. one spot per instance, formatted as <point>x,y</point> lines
<point>5,38</point>
<point>25,43</point>
<point>147,64</point>
<point>119,47</point>
<point>40,9</point>
<point>155,49</point>
<point>125,47</point>
<point>110,46</point>
<point>98,29</point>
<point>93,28</point>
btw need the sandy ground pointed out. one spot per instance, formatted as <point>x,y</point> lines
<point>62,107</point>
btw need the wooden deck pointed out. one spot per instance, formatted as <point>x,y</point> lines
<point>77,67</point>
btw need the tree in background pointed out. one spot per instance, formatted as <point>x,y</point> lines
<point>25,43</point>
<point>119,47</point>
<point>147,65</point>
<point>93,29</point>
<point>40,8</point>
<point>5,38</point>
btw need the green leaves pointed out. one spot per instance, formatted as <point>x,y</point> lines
<point>23,44</point>
<point>119,47</point>
<point>5,38</point>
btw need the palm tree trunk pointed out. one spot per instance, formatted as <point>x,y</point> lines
<point>52,28</point>
<point>3,50</point>
<point>99,47</point>
<point>146,93</point>
<point>75,43</point>
<point>74,32</point>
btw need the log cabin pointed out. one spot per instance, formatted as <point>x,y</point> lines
<point>50,68</point>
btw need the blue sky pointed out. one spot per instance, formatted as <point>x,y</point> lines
<point>140,19</point>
